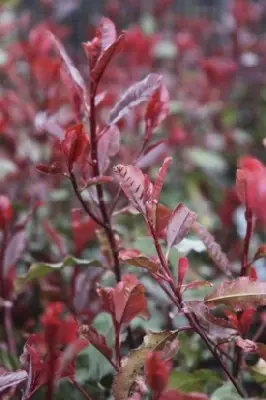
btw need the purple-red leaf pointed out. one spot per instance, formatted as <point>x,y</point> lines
<point>105,58</point>
<point>180,222</point>
<point>72,78</point>
<point>214,249</point>
<point>97,340</point>
<point>239,294</point>
<point>217,328</point>
<point>132,182</point>
<point>74,144</point>
<point>106,33</point>
<point>11,378</point>
<point>158,184</point>
<point>14,250</point>
<point>157,110</point>
<point>137,259</point>
<point>53,169</point>
<point>55,237</point>
<point>182,269</point>
<point>136,94</point>
<point>125,301</point>
<point>108,146</point>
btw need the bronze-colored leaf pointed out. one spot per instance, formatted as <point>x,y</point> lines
<point>133,365</point>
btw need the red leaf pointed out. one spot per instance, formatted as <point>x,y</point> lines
<point>72,78</point>
<point>136,258</point>
<point>180,222</point>
<point>157,372</point>
<point>217,328</point>
<point>182,269</point>
<point>157,110</point>
<point>158,184</point>
<point>6,211</point>
<point>74,144</point>
<point>54,169</point>
<point>55,237</point>
<point>65,367</point>
<point>252,273</point>
<point>83,231</point>
<point>126,301</point>
<point>153,154</point>
<point>214,249</point>
<point>11,378</point>
<point>132,182</point>
<point>248,346</point>
<point>163,215</point>
<point>106,32</point>
<point>108,146</point>
<point>105,58</point>
<point>250,185</point>
<point>97,340</point>
<point>196,285</point>
<point>14,250</point>
<point>246,321</point>
<point>174,395</point>
<point>136,94</point>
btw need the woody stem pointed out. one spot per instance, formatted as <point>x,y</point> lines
<point>106,220</point>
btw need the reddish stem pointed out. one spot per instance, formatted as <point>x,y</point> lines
<point>9,328</point>
<point>100,194</point>
<point>243,272</point>
<point>191,316</point>
<point>117,346</point>
<point>249,218</point>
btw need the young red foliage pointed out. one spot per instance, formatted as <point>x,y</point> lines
<point>250,185</point>
<point>125,301</point>
<point>182,269</point>
<point>6,211</point>
<point>157,372</point>
<point>74,144</point>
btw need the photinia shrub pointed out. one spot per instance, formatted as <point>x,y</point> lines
<point>97,292</point>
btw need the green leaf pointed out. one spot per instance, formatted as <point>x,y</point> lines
<point>40,270</point>
<point>226,392</point>
<point>195,381</point>
<point>207,160</point>
<point>133,365</point>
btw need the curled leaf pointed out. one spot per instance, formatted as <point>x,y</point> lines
<point>137,259</point>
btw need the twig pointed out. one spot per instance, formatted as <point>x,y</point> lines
<point>9,328</point>
<point>192,317</point>
<point>243,272</point>
<point>81,390</point>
